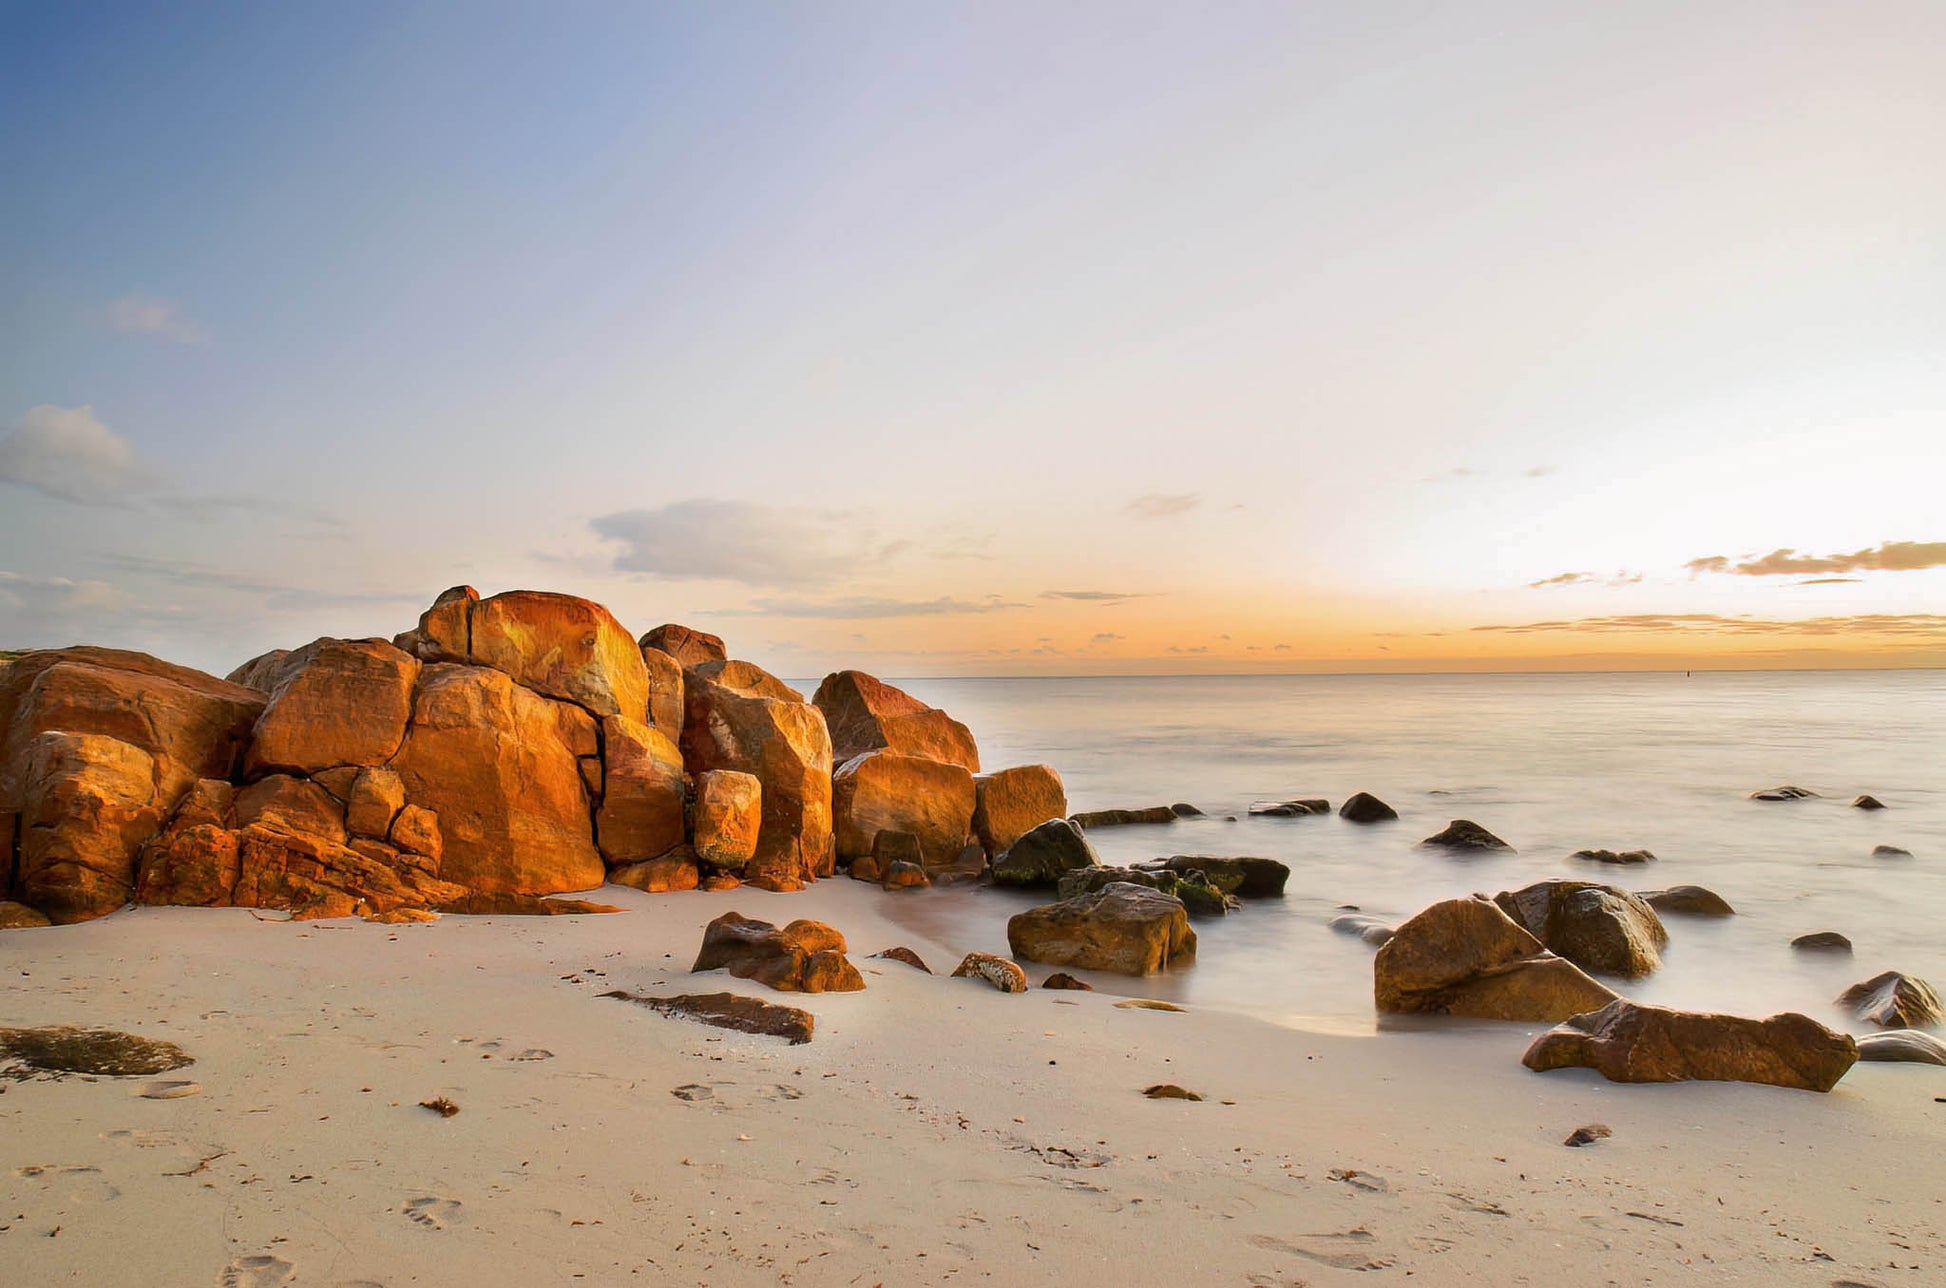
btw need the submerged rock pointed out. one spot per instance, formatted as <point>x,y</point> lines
<point>1785,793</point>
<point>1467,957</point>
<point>1868,802</point>
<point>1043,854</point>
<point>1244,876</point>
<point>1291,809</point>
<point>1620,857</point>
<point>1907,1046</point>
<point>1597,927</point>
<point>1195,890</point>
<point>1465,834</point>
<point>1890,852</point>
<point>1363,807</point>
<point>1126,817</point>
<point>1824,941</point>
<point>1631,1042</point>
<point>1369,929</point>
<point>1893,1001</point>
<point>1688,900</point>
<point>1125,928</point>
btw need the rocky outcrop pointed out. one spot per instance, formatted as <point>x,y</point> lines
<point>1464,835</point>
<point>1621,858</point>
<point>1043,854</point>
<point>802,957</point>
<point>726,818</point>
<point>665,677</point>
<point>1245,876</point>
<point>560,647</point>
<point>1467,957</point>
<point>1002,974</point>
<point>1631,1042</point>
<point>1893,1001</point>
<point>1009,803</point>
<point>1122,927</point>
<point>334,702</point>
<point>866,714</point>
<point>1598,928</point>
<point>642,812</point>
<point>885,791</point>
<point>1363,807</point>
<point>1688,901</point>
<point>688,647</point>
<point>1908,1046</point>
<point>741,726</point>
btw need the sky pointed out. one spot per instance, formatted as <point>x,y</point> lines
<point>998,338</point>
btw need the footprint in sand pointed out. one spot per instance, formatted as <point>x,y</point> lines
<point>432,1212</point>
<point>256,1272</point>
<point>1346,1250</point>
<point>693,1091</point>
<point>77,1184</point>
<point>727,1095</point>
<point>139,1138</point>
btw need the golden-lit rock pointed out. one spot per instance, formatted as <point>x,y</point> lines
<point>688,647</point>
<point>336,702</point>
<point>1629,1041</point>
<point>728,814</point>
<point>1467,957</point>
<point>1010,803</point>
<point>641,814</point>
<point>563,647</point>
<point>883,791</point>
<point>865,714</point>
<point>802,957</point>
<point>89,804</point>
<point>375,799</point>
<point>1129,929</point>
<point>670,873</point>
<point>665,693</point>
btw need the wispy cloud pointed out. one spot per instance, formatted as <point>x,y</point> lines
<point>1621,578</point>
<point>743,541</point>
<point>146,315</point>
<point>866,608</point>
<point>1899,624</point>
<point>1163,505</point>
<point>1107,637</point>
<point>1200,648</point>
<point>1889,556</point>
<point>1100,596</point>
<point>1830,581</point>
<point>66,452</point>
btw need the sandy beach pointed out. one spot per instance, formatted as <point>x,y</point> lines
<point>934,1131</point>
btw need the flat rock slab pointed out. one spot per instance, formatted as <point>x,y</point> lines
<point>732,1011</point>
<point>63,1048</point>
<point>1628,1041</point>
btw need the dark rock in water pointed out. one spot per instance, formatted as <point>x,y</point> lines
<point>1169,1091</point>
<point>1904,1045</point>
<point>803,957</point>
<point>1628,857</point>
<point>1370,929</point>
<point>1629,1042</point>
<point>1044,853</point>
<point>1688,900</point>
<point>1291,809</point>
<point>1782,794</point>
<point>1129,929</point>
<point>906,955</point>
<point>1824,941</point>
<point>1868,802</point>
<point>1061,979</point>
<point>63,1048</point>
<point>1244,876</point>
<point>1182,810</point>
<point>1363,807</point>
<point>732,1011</point>
<point>1890,852</point>
<point>1126,817</point>
<point>1894,1001</point>
<point>890,847</point>
<point>1597,927</point>
<point>1588,1135</point>
<point>1467,957</point>
<point>1198,894</point>
<point>1465,834</point>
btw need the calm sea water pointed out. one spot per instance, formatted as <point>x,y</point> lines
<point>1551,764</point>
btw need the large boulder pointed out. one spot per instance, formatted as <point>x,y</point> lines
<point>1467,957</point>
<point>689,647</point>
<point>334,702</point>
<point>883,791</point>
<point>88,804</point>
<point>1893,1001</point>
<point>500,766</point>
<point>641,814</point>
<point>1245,876</point>
<point>785,746</point>
<point>866,714</point>
<point>1363,807</point>
<point>1629,1041</point>
<point>1121,927</point>
<point>726,818</point>
<point>1597,927</point>
<point>1043,854</point>
<point>563,647</point>
<point>747,678</point>
<point>1009,803</point>
<point>802,957</point>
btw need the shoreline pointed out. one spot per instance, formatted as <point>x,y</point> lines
<point>934,1130</point>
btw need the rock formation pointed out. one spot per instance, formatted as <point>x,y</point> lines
<point>1687,900</point>
<point>1894,1001</point>
<point>866,714</point>
<point>888,791</point>
<point>1121,927</point>
<point>802,957</point>
<point>1463,834</point>
<point>1467,957</point>
<point>1043,854</point>
<point>1598,928</point>
<point>1631,1042</point>
<point>1009,803</point>
<point>1245,876</point>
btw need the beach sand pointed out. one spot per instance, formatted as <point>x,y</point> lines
<point>935,1131</point>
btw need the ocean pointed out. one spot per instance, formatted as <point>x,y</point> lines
<point>1551,764</point>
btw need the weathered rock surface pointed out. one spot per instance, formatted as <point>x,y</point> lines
<point>1903,1045</point>
<point>1149,814</point>
<point>1370,929</point>
<point>784,745</point>
<point>1687,900</point>
<point>802,957</point>
<point>1464,834</point>
<point>1060,979</point>
<point>665,676</point>
<point>1893,1001</point>
<point>732,1011</point>
<point>642,808</point>
<point>1868,802</point>
<point>901,875</point>
<point>334,702</point>
<point>1467,957</point>
<point>18,916</point>
<point>1363,807</point>
<point>1786,793</point>
<point>1598,928</point>
<point>89,804</point>
<point>1618,857</point>
<point>885,791</point>
<point>866,714</point>
<point>1125,928</point>
<point>260,672</point>
<point>906,955</point>
<point>561,647</point>
<point>1245,876</point>
<point>689,647</point>
<point>1631,1042</point>
<point>726,818</point>
<point>1291,809</point>
<point>375,799</point>
<point>1043,854</point>
<point>1198,895</point>
<point>500,767</point>
<point>1004,975</point>
<point>1824,941</point>
<point>665,875</point>
<point>290,804</point>
<point>1009,803</point>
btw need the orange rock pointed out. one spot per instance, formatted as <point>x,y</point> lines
<point>803,957</point>
<point>659,876</point>
<point>377,796</point>
<point>416,831</point>
<point>784,745</point>
<point>641,814</point>
<point>866,867</point>
<point>292,804</point>
<point>18,916</point>
<point>336,702</point>
<point>1467,957</point>
<point>1010,803</point>
<point>727,814</point>
<point>403,916</point>
<point>563,647</point>
<point>688,647</point>
<point>9,828</point>
<point>89,806</point>
<point>905,876</point>
<point>665,693</point>
<point>338,780</point>
<point>721,881</point>
<point>260,672</point>
<point>444,633</point>
<point>885,791</point>
<point>747,678</point>
<point>866,714</point>
<point>497,764</point>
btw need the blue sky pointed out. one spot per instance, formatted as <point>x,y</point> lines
<point>982,338</point>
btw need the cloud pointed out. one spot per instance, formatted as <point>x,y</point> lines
<point>759,545</point>
<point>1901,624</point>
<point>1621,578</point>
<point>866,608</point>
<point>1163,505</point>
<point>1281,648</point>
<point>145,315</point>
<point>1200,648</point>
<point>1538,471</point>
<point>1107,637</point>
<point>1099,596</point>
<point>65,452</point>
<point>1890,556</point>
<point>1830,581</point>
